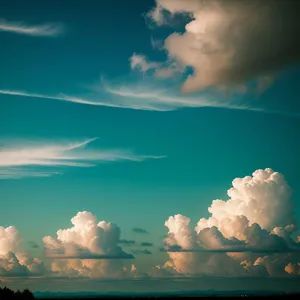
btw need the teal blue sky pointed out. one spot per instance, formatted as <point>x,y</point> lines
<point>199,150</point>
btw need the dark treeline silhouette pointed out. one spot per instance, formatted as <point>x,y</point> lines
<point>6,293</point>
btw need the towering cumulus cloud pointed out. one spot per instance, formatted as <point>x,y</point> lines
<point>249,234</point>
<point>89,248</point>
<point>264,199</point>
<point>13,261</point>
<point>232,41</point>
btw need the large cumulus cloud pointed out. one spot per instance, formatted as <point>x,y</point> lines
<point>230,42</point>
<point>249,234</point>
<point>89,248</point>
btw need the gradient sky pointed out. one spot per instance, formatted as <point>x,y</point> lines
<point>195,152</point>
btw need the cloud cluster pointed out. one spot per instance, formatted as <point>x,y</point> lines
<point>89,248</point>
<point>13,261</point>
<point>22,159</point>
<point>249,234</point>
<point>45,30</point>
<point>231,42</point>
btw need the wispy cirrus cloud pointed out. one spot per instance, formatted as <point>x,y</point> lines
<point>138,98</point>
<point>25,159</point>
<point>164,100</point>
<point>149,98</point>
<point>117,102</point>
<point>45,30</point>
<point>233,250</point>
<point>92,256</point>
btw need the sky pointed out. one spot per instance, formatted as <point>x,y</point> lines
<point>122,123</point>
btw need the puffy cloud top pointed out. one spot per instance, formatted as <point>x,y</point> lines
<point>86,236</point>
<point>264,199</point>
<point>90,248</point>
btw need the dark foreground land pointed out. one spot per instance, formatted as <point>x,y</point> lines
<point>197,294</point>
<point>295,296</point>
<point>6,293</point>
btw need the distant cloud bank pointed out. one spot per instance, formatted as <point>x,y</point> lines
<point>250,234</point>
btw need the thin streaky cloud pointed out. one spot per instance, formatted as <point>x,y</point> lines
<point>118,104</point>
<point>233,250</point>
<point>128,98</point>
<point>46,30</point>
<point>172,102</point>
<point>92,256</point>
<point>16,173</point>
<point>165,102</point>
<point>139,230</point>
<point>134,100</point>
<point>25,159</point>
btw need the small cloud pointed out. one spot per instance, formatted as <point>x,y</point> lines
<point>126,242</point>
<point>140,230</point>
<point>146,244</point>
<point>138,251</point>
<point>33,245</point>
<point>44,30</point>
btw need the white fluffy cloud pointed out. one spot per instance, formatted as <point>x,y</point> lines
<point>220,38</point>
<point>249,234</point>
<point>89,248</point>
<point>263,198</point>
<point>13,261</point>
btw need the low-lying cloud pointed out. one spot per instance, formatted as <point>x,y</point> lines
<point>141,251</point>
<point>146,244</point>
<point>252,233</point>
<point>139,230</point>
<point>126,242</point>
<point>13,260</point>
